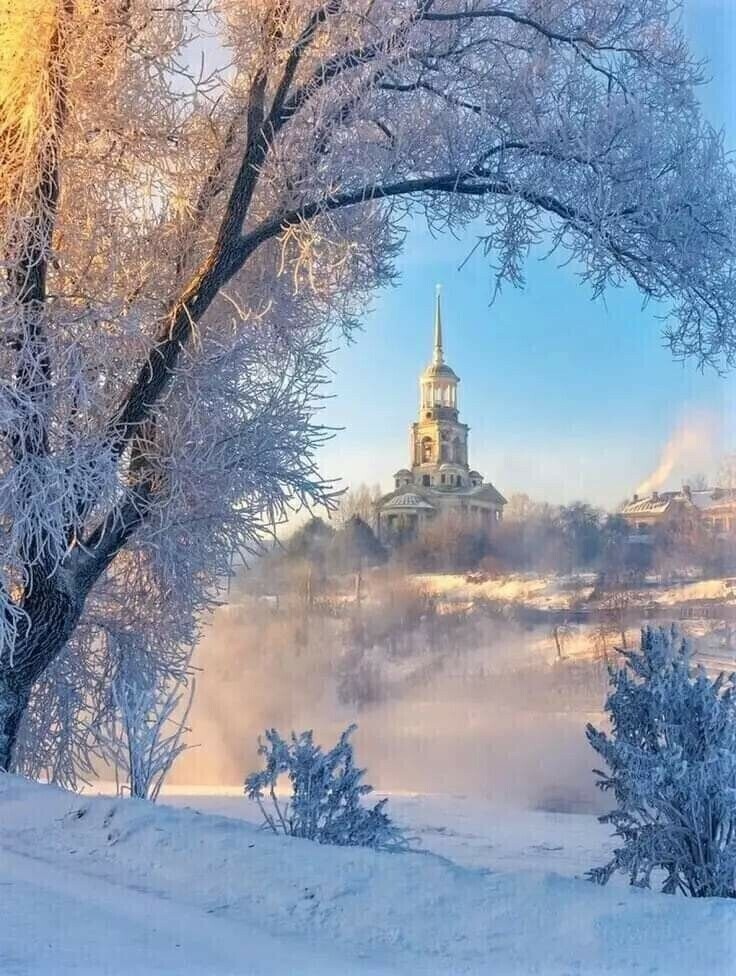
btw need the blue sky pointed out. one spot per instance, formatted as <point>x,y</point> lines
<point>566,398</point>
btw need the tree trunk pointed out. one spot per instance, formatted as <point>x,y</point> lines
<point>53,613</point>
<point>14,696</point>
<point>556,635</point>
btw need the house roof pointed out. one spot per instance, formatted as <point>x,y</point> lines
<point>485,492</point>
<point>703,499</point>
<point>652,504</point>
<point>707,499</point>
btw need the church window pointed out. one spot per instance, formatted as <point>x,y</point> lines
<point>425,480</point>
<point>427,450</point>
<point>442,479</point>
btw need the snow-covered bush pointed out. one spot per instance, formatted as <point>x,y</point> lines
<point>671,756</point>
<point>146,733</point>
<point>326,791</point>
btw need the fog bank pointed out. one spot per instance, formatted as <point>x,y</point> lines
<point>467,706</point>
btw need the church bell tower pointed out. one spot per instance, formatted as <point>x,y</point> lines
<point>439,442</point>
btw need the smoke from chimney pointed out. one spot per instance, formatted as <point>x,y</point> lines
<point>693,444</point>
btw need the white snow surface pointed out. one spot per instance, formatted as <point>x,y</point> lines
<point>103,886</point>
<point>553,592</point>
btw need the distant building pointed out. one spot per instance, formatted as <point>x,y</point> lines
<point>717,507</point>
<point>680,510</point>
<point>439,478</point>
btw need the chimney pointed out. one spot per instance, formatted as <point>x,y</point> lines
<point>655,496</point>
<point>635,498</point>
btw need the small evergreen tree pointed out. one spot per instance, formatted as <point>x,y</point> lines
<point>671,755</point>
<point>310,545</point>
<point>355,546</point>
<point>311,540</point>
<point>326,790</point>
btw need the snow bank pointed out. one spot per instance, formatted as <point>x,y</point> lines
<point>713,589</point>
<point>551,592</point>
<point>407,913</point>
<point>542,592</point>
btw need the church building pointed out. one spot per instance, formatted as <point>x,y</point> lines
<point>439,479</point>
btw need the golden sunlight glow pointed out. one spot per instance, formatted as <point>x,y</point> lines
<point>26,43</point>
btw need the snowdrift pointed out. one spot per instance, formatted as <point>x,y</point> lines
<point>418,913</point>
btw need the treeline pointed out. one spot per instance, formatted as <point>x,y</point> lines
<point>346,548</point>
<point>533,537</point>
<point>539,537</point>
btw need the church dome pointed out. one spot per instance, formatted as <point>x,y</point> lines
<point>403,473</point>
<point>437,371</point>
<point>408,500</point>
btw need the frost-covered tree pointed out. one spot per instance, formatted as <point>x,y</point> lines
<point>359,501</point>
<point>671,758</point>
<point>325,803</point>
<point>144,734</point>
<point>194,194</point>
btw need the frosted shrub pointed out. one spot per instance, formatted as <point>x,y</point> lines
<point>671,756</point>
<point>146,732</point>
<point>326,791</point>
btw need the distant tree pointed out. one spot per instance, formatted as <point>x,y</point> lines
<point>519,508</point>
<point>697,482</point>
<point>449,543</point>
<point>580,526</point>
<point>686,543</point>
<point>355,546</point>
<point>613,549</point>
<point>613,617</point>
<point>566,538</point>
<point>311,540</point>
<point>671,759</point>
<point>531,540</point>
<point>561,632</point>
<point>726,477</point>
<point>360,501</point>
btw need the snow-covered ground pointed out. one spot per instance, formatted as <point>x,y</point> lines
<point>96,885</point>
<point>541,592</point>
<point>552,592</point>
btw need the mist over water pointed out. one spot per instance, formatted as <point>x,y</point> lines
<point>466,706</point>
